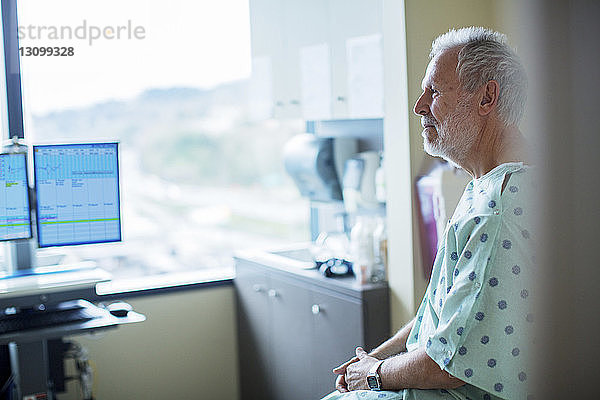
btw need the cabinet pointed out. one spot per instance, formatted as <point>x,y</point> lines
<point>352,19</point>
<point>294,326</point>
<point>303,60</point>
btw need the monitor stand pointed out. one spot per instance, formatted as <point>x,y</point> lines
<point>29,286</point>
<point>33,354</point>
<point>20,256</point>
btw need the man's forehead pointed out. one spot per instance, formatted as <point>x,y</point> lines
<point>441,69</point>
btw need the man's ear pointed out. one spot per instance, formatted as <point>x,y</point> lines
<point>489,98</point>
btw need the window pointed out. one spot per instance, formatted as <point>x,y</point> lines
<point>201,176</point>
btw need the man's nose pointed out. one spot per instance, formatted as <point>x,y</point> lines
<point>421,106</point>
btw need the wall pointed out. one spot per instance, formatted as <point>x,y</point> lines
<point>404,67</point>
<point>565,122</point>
<point>186,349</point>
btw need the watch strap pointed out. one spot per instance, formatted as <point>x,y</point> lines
<point>373,378</point>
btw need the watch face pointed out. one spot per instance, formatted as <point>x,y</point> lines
<point>372,382</point>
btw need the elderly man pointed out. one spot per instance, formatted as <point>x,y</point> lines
<point>470,338</point>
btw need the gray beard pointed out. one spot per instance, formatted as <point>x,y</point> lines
<point>455,136</point>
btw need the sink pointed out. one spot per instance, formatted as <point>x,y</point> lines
<point>303,254</point>
<point>297,256</point>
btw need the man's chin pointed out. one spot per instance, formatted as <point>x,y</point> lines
<point>435,151</point>
<point>432,149</point>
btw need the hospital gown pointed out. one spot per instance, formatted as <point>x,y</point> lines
<point>476,318</point>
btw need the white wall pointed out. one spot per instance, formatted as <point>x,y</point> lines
<point>186,349</point>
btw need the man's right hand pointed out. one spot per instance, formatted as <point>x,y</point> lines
<point>340,382</point>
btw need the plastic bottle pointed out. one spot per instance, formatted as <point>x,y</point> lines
<point>361,248</point>
<point>380,251</point>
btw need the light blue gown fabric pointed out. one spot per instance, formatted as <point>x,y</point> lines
<point>476,318</point>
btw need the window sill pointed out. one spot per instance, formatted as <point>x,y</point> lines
<point>155,284</point>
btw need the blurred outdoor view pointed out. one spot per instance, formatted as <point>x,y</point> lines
<point>201,176</point>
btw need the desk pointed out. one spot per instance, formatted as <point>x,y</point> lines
<point>31,350</point>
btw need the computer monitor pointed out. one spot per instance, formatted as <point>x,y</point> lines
<point>77,191</point>
<point>15,217</point>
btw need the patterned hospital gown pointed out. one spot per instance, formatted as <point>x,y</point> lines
<point>476,317</point>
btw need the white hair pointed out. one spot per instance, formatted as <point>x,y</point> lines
<point>485,55</point>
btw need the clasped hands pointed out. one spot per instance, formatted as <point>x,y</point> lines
<point>352,375</point>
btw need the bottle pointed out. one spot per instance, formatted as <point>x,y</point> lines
<point>361,249</point>
<point>380,251</point>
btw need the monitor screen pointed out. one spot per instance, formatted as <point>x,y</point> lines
<point>15,218</point>
<point>77,190</point>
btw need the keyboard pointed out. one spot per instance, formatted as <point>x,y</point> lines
<point>67,313</point>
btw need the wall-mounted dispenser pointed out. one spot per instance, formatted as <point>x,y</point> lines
<point>316,164</point>
<point>358,183</point>
<point>316,161</point>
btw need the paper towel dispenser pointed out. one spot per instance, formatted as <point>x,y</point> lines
<point>316,164</point>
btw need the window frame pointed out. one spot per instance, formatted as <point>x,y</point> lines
<point>11,116</point>
<point>12,109</point>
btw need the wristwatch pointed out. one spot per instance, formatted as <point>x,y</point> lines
<point>373,378</point>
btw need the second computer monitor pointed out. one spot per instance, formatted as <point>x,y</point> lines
<point>77,191</point>
<point>14,197</point>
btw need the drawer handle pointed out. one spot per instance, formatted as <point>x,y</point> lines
<point>316,309</point>
<point>273,293</point>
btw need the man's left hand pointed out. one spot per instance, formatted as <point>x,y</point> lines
<point>356,373</point>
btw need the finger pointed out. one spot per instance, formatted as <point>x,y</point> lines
<point>353,374</point>
<point>342,368</point>
<point>339,370</point>
<point>360,353</point>
<point>351,385</point>
<point>340,384</point>
<point>345,365</point>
